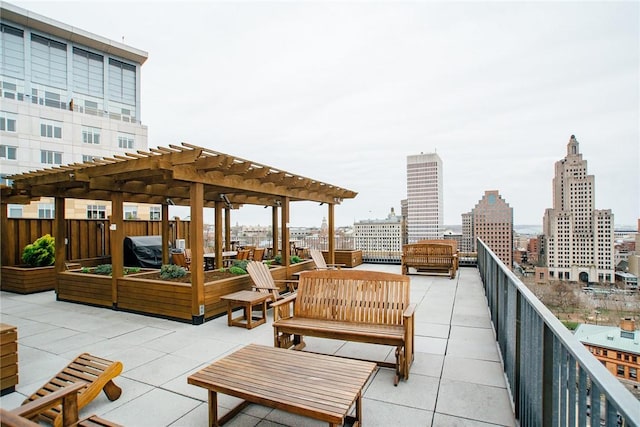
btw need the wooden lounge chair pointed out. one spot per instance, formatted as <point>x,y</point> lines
<point>66,398</point>
<point>258,254</point>
<point>321,264</point>
<point>264,282</point>
<point>94,372</point>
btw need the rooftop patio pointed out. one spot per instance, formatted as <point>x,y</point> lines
<point>457,377</point>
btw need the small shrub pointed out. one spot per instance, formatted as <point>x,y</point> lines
<point>85,270</point>
<point>131,270</point>
<point>277,259</point>
<point>237,270</point>
<point>172,271</point>
<point>40,253</point>
<point>295,259</point>
<point>104,269</point>
<point>241,264</point>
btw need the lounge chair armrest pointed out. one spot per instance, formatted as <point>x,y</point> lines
<point>271,288</point>
<point>408,312</point>
<point>66,395</point>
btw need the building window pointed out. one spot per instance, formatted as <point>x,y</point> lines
<point>7,122</point>
<point>50,157</point>
<point>12,51</point>
<point>51,129</point>
<point>96,212</point>
<point>87,159</point>
<point>633,373</point>
<point>8,152</point>
<point>15,211</point>
<point>48,62</point>
<point>90,135</point>
<point>131,212</point>
<point>46,210</point>
<point>125,140</point>
<point>4,180</point>
<point>122,82</point>
<point>155,213</point>
<point>88,72</point>
<point>620,370</point>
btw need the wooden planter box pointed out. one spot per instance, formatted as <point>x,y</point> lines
<point>86,288</point>
<point>8,358</point>
<point>348,258</point>
<point>27,280</point>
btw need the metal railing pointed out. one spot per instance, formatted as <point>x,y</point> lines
<point>554,380</point>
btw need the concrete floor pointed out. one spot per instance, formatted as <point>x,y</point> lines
<point>456,379</point>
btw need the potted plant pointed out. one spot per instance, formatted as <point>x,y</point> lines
<point>37,274</point>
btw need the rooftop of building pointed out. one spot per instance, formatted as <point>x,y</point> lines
<point>456,373</point>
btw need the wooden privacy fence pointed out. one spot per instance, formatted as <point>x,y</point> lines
<point>87,238</point>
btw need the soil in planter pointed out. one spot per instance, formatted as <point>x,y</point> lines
<point>209,276</point>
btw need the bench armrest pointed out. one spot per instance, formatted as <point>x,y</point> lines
<point>291,284</point>
<point>282,308</point>
<point>271,288</point>
<point>409,311</point>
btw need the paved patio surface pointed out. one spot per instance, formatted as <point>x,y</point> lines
<point>456,379</point>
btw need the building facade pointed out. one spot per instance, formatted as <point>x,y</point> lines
<point>492,221</point>
<point>615,347</point>
<point>467,243</point>
<point>67,96</point>
<point>379,239</point>
<point>579,240</point>
<point>425,213</point>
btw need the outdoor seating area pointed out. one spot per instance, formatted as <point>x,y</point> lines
<point>429,256</point>
<point>456,367</point>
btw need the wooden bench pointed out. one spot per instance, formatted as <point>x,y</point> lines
<point>352,305</point>
<point>431,257</point>
<point>65,398</point>
<point>94,373</point>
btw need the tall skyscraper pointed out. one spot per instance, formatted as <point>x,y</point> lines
<point>68,96</point>
<point>492,221</point>
<point>424,197</point>
<point>578,239</point>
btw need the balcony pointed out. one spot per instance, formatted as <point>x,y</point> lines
<point>524,368</point>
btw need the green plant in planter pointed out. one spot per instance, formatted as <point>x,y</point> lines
<point>237,270</point>
<point>40,253</point>
<point>294,259</point>
<point>172,271</point>
<point>104,269</point>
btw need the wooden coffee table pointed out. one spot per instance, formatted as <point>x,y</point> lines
<point>247,300</point>
<point>313,385</point>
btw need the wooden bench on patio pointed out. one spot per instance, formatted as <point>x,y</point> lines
<point>352,305</point>
<point>432,257</point>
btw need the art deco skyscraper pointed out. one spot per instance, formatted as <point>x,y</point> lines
<point>578,238</point>
<point>424,197</point>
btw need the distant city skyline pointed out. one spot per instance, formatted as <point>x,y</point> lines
<point>342,92</point>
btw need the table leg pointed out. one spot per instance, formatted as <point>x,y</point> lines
<point>229,313</point>
<point>249,315</point>
<point>213,408</point>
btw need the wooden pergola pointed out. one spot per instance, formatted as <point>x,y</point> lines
<point>185,175</point>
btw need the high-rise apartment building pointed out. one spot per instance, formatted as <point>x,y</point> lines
<point>425,216</point>
<point>578,239</point>
<point>467,241</point>
<point>379,239</point>
<point>492,221</point>
<point>67,96</point>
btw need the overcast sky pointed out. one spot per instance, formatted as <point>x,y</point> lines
<point>342,92</point>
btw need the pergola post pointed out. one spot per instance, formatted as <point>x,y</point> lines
<point>196,242</point>
<point>218,232</point>
<point>60,235</point>
<point>165,233</point>
<point>4,226</point>
<point>227,228</point>
<point>117,244</point>
<point>286,249</point>
<point>331,235</point>
<point>274,230</point>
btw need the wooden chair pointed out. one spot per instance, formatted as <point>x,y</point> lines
<point>179,259</point>
<point>96,374</point>
<point>66,398</point>
<point>264,282</point>
<point>258,254</point>
<point>187,255</point>
<point>243,254</point>
<point>321,264</point>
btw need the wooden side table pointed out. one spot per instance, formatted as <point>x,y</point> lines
<point>247,300</point>
<point>8,358</point>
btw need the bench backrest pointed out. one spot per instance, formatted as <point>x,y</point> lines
<point>450,242</point>
<point>428,253</point>
<point>353,296</point>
